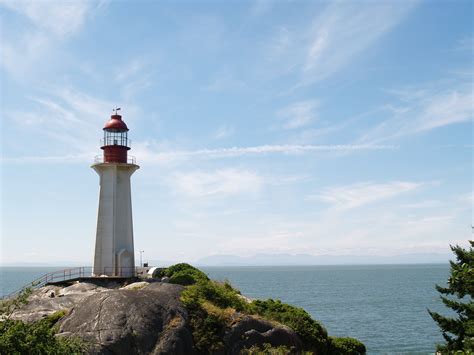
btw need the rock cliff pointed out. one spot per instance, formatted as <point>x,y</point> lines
<point>187,314</point>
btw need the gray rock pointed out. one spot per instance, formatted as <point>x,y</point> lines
<point>142,318</point>
<point>146,321</point>
<point>251,330</point>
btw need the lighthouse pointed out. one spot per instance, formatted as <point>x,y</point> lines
<point>114,253</point>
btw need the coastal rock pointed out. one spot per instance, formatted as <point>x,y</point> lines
<point>142,318</point>
<point>145,321</point>
<point>250,330</point>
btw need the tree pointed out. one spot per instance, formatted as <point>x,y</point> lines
<point>458,295</point>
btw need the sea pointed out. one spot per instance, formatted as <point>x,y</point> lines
<point>384,306</point>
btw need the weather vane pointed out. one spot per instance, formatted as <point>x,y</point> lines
<point>116,109</point>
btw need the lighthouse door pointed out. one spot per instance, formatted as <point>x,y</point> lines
<point>125,267</point>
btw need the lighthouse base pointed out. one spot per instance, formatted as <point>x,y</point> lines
<point>114,249</point>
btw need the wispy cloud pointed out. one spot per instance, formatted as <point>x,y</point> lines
<point>50,22</point>
<point>147,154</point>
<point>134,77</point>
<point>63,116</point>
<point>225,182</point>
<point>59,18</point>
<point>423,109</point>
<point>299,114</point>
<point>357,195</point>
<point>465,44</point>
<point>171,156</point>
<point>223,132</point>
<point>344,29</point>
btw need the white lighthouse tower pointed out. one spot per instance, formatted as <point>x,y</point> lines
<point>114,253</point>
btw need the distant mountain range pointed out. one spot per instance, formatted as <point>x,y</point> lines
<point>307,259</point>
<point>276,259</point>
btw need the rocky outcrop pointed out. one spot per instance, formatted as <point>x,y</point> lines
<point>251,331</point>
<point>141,318</point>
<point>149,320</point>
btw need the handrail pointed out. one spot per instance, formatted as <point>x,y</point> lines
<point>72,273</point>
<point>99,159</point>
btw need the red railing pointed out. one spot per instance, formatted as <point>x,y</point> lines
<point>74,273</point>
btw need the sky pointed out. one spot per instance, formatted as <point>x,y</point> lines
<point>277,127</point>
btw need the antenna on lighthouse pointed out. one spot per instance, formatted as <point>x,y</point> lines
<point>116,109</point>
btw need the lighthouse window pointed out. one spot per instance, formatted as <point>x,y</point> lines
<point>115,138</point>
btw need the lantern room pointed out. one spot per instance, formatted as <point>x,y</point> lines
<point>115,143</point>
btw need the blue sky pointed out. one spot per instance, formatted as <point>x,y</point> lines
<point>340,128</point>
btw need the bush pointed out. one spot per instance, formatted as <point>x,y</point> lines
<point>39,337</point>
<point>210,304</point>
<point>222,295</point>
<point>184,274</point>
<point>349,346</point>
<point>310,331</point>
<point>267,349</point>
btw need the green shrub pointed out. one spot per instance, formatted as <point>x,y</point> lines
<point>222,295</point>
<point>184,274</point>
<point>310,331</point>
<point>207,328</point>
<point>209,303</point>
<point>348,346</point>
<point>267,349</point>
<point>38,337</point>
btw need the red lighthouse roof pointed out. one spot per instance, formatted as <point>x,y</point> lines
<point>116,123</point>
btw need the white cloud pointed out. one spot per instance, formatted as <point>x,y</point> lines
<point>359,194</point>
<point>224,182</point>
<point>223,132</point>
<point>59,18</point>
<point>299,114</point>
<point>423,109</point>
<point>225,81</point>
<point>345,29</point>
<point>145,152</point>
<point>172,156</point>
<point>64,117</point>
<point>50,22</point>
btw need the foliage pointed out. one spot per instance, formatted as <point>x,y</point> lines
<point>268,349</point>
<point>17,337</point>
<point>310,331</point>
<point>211,306</point>
<point>349,346</point>
<point>458,295</point>
<point>184,274</point>
<point>222,295</point>
<point>8,306</point>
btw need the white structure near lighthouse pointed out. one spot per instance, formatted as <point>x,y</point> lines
<point>114,252</point>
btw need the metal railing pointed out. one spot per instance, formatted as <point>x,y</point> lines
<point>99,159</point>
<point>74,273</point>
<point>122,141</point>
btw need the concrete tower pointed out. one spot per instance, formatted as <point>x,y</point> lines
<point>114,253</point>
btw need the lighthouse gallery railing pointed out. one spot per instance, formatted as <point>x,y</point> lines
<point>73,274</point>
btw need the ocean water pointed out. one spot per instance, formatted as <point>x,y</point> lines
<point>384,306</point>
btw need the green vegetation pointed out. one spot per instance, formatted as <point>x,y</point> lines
<point>213,306</point>
<point>349,346</point>
<point>309,330</point>
<point>458,295</point>
<point>267,349</point>
<point>17,337</point>
<point>184,274</point>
